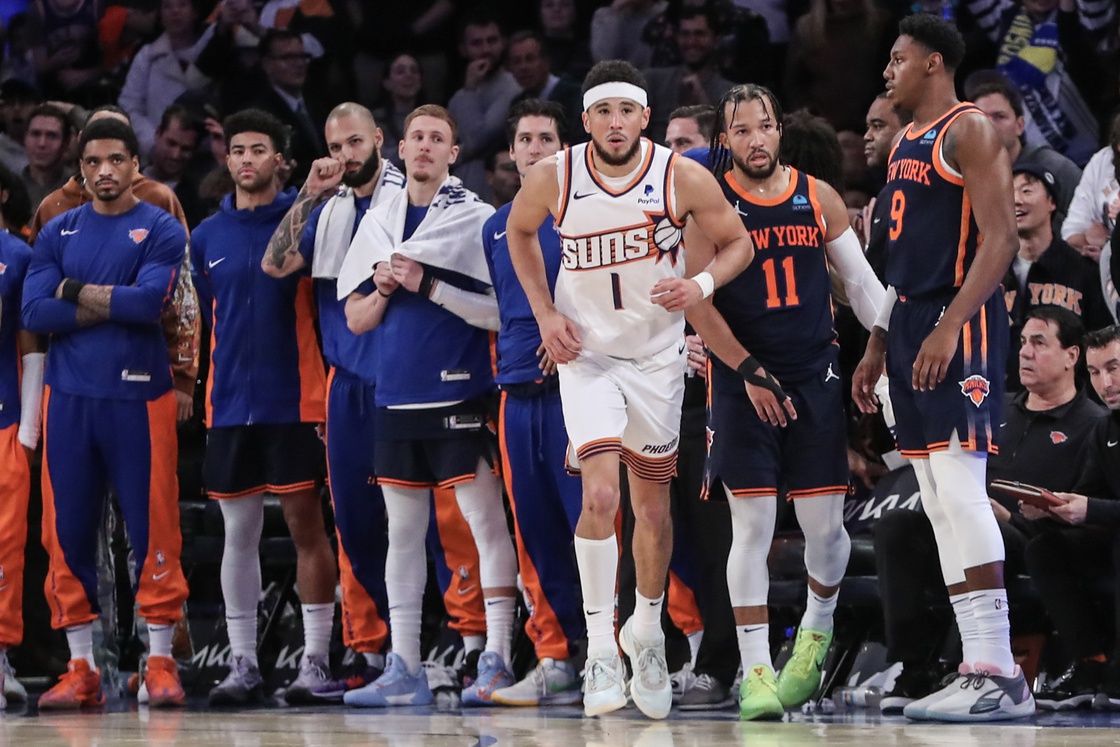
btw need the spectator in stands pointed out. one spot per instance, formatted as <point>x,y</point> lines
<point>1003,104</point>
<point>165,69</point>
<point>501,177</point>
<point>1047,431</point>
<point>1087,226</point>
<point>45,142</point>
<point>65,45</point>
<point>284,62</point>
<point>423,28</point>
<point>18,59</point>
<point>1065,564</point>
<point>402,91</point>
<point>690,127</point>
<point>482,104</point>
<point>695,81</point>
<point>1047,271</point>
<point>835,60</point>
<point>883,124</point>
<point>532,69</point>
<point>565,42</point>
<point>1046,49</point>
<point>177,138</point>
<point>17,100</point>
<point>614,31</point>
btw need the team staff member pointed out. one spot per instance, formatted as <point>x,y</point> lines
<point>545,499</point>
<point>265,397</point>
<point>21,392</point>
<point>99,279</point>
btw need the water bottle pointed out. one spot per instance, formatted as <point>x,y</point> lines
<point>857,697</point>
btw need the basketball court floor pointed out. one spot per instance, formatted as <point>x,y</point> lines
<point>196,726</point>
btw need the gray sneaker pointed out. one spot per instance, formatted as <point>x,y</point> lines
<point>981,696</point>
<point>243,685</point>
<point>705,693</point>
<point>550,683</point>
<point>11,689</point>
<point>313,674</point>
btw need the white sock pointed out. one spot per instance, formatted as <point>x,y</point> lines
<point>993,631</point>
<point>818,612</point>
<point>473,643</point>
<point>242,629</point>
<point>377,661</point>
<point>647,617</point>
<point>159,639</point>
<point>499,625</point>
<point>318,620</point>
<point>694,641</point>
<point>598,576</point>
<point>241,571</point>
<point>406,569</point>
<point>80,640</point>
<point>754,645</point>
<point>966,625</point>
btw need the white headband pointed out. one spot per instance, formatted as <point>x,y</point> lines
<point>615,90</point>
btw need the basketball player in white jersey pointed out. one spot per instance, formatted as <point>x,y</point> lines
<point>617,332</point>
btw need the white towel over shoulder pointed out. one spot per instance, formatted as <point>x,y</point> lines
<point>449,237</point>
<point>336,224</point>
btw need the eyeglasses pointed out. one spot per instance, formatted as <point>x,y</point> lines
<point>295,57</point>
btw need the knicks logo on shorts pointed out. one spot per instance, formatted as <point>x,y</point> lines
<point>976,388</point>
<point>138,234</point>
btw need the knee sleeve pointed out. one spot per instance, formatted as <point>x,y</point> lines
<point>480,500</point>
<point>827,545</point>
<point>961,480</point>
<point>947,553</point>
<point>752,531</point>
<point>406,568</point>
<point>241,560</point>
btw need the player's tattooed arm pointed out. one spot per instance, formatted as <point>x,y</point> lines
<point>282,257</point>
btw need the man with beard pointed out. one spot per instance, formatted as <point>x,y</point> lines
<point>98,280</point>
<point>773,323</point>
<point>266,398</point>
<point>617,332</point>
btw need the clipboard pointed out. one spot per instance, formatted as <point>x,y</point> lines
<point>1031,494</point>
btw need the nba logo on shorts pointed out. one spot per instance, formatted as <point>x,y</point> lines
<point>976,388</point>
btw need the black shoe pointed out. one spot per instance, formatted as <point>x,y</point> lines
<point>1108,695</point>
<point>1077,687</point>
<point>914,682</point>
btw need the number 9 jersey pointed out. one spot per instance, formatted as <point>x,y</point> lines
<point>932,236</point>
<point>619,237</point>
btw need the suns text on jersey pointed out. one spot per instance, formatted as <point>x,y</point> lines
<point>608,248</point>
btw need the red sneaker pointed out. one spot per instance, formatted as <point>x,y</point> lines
<point>80,687</point>
<point>161,680</point>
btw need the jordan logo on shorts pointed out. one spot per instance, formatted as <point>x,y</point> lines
<point>976,388</point>
<point>830,374</point>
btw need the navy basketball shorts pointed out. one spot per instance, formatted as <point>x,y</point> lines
<point>277,458</point>
<point>439,447</point>
<point>969,401</point>
<point>750,457</point>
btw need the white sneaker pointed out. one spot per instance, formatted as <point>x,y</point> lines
<point>10,688</point>
<point>980,696</point>
<point>550,683</point>
<point>650,688</point>
<point>604,683</point>
<point>918,709</point>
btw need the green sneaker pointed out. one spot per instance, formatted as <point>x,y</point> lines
<point>758,695</point>
<point>801,676</point>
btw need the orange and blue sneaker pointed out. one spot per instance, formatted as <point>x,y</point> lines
<point>79,687</point>
<point>161,681</point>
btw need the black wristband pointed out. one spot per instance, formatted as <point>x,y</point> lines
<point>749,370</point>
<point>385,295</point>
<point>426,283</point>
<point>71,288</point>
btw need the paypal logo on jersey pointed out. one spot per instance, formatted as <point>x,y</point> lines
<point>647,200</point>
<point>930,135</point>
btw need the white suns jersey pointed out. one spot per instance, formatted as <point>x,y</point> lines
<point>618,238</point>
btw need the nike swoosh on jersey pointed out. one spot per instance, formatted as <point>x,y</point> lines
<point>215,262</point>
<point>1112,443</point>
<point>578,196</point>
<point>498,236</point>
<point>158,576</point>
<point>64,232</point>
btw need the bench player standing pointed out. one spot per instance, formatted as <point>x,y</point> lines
<point>617,331</point>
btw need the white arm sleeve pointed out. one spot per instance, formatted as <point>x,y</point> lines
<point>864,290</point>
<point>883,321</point>
<point>31,399</point>
<point>476,309</point>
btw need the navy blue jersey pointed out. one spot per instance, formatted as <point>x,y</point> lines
<point>780,307</point>
<point>341,347</point>
<point>520,336</point>
<point>15,256</point>
<point>932,236</point>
